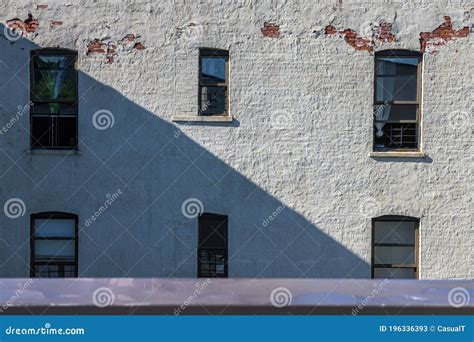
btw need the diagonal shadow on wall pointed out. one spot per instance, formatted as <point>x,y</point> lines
<point>157,166</point>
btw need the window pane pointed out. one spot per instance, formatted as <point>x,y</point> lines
<point>54,78</point>
<point>397,66</point>
<point>394,273</point>
<point>66,131</point>
<point>47,271</point>
<point>399,88</point>
<point>395,136</point>
<point>55,227</point>
<point>54,248</point>
<point>394,255</point>
<point>213,68</point>
<point>213,100</point>
<point>392,112</point>
<point>54,108</point>
<point>52,270</point>
<point>212,263</point>
<point>41,131</point>
<point>394,232</point>
<point>213,233</point>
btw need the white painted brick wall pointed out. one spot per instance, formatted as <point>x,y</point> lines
<point>302,105</point>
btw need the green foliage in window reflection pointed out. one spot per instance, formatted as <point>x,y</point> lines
<point>54,78</point>
<point>47,86</point>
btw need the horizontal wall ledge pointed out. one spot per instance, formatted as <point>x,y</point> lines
<point>49,152</point>
<point>202,118</point>
<point>400,154</point>
<point>160,296</point>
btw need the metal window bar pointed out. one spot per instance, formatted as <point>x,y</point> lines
<point>37,142</point>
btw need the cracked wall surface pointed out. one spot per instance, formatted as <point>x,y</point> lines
<point>301,94</point>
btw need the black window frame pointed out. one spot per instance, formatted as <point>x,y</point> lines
<point>224,249</point>
<point>60,263</point>
<point>53,131</point>
<point>396,218</point>
<point>396,128</point>
<point>203,83</point>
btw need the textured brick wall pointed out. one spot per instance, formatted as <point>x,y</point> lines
<point>301,88</point>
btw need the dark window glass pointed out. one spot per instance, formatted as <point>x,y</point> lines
<point>212,248</point>
<point>54,245</point>
<point>54,96</point>
<point>394,249</point>
<point>213,100</point>
<point>213,82</point>
<point>396,106</point>
<point>214,68</point>
<point>41,130</point>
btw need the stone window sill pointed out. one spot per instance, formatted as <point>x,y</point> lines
<point>398,154</point>
<point>202,118</point>
<point>47,152</point>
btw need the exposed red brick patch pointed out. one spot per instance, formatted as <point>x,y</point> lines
<point>28,26</point>
<point>31,24</point>
<point>359,43</point>
<point>441,35</point>
<point>56,23</point>
<point>270,30</point>
<point>330,30</point>
<point>139,46</point>
<point>129,37</point>
<point>385,32</point>
<point>95,46</point>
<point>111,48</point>
<point>42,6</point>
<point>111,51</point>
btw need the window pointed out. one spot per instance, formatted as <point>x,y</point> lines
<point>397,100</point>
<point>212,249</point>
<point>395,247</point>
<point>54,244</point>
<point>213,82</point>
<point>53,93</point>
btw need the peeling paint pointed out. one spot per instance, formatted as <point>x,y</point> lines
<point>384,33</point>
<point>56,23</point>
<point>270,30</point>
<point>111,48</point>
<point>429,41</point>
<point>95,46</point>
<point>352,38</point>
<point>28,26</point>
